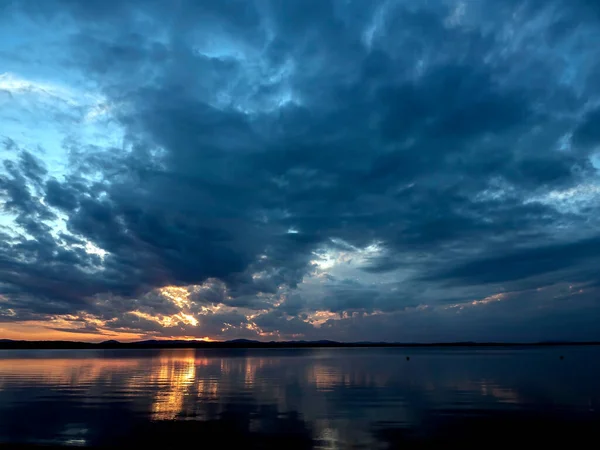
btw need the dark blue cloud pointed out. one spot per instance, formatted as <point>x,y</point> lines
<point>527,262</point>
<point>587,134</point>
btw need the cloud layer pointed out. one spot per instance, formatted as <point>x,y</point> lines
<point>302,169</point>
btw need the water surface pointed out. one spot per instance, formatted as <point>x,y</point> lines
<point>295,398</point>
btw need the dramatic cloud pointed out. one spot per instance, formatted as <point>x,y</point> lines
<point>304,169</point>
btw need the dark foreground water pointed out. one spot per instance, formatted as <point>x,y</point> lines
<point>324,398</point>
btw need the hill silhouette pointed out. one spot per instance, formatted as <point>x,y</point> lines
<point>246,343</point>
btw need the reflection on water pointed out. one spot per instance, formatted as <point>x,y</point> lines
<point>329,398</point>
<point>175,375</point>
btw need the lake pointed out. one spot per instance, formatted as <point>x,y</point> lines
<point>299,398</point>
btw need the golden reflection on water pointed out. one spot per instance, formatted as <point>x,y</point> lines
<point>175,372</point>
<point>167,378</point>
<point>172,384</point>
<point>326,377</point>
<point>63,371</point>
<point>175,375</point>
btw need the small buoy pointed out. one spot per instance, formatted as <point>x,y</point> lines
<point>562,357</point>
<point>408,358</point>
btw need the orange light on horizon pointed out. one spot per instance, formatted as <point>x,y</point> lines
<point>85,327</point>
<point>43,331</point>
<point>191,338</point>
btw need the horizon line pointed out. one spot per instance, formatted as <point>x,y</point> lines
<point>247,343</point>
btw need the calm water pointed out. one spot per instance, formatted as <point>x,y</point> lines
<point>326,398</point>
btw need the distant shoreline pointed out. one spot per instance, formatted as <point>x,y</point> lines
<point>243,344</point>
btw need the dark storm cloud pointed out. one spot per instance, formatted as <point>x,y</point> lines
<point>526,263</point>
<point>277,322</point>
<point>16,193</point>
<point>39,274</point>
<point>587,134</point>
<point>435,135</point>
<point>61,196</point>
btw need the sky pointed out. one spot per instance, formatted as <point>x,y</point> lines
<point>353,170</point>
